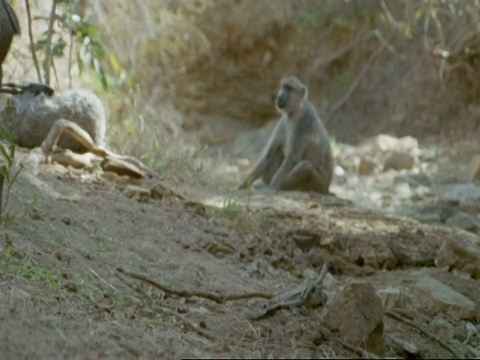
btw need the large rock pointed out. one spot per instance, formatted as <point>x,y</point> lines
<point>437,298</point>
<point>356,316</point>
<point>460,253</point>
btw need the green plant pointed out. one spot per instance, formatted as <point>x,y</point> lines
<point>52,43</point>
<point>229,208</point>
<point>8,154</point>
<point>29,268</point>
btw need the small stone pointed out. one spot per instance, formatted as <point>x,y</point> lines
<point>410,348</point>
<point>392,297</point>
<point>366,166</point>
<point>399,161</point>
<point>460,332</point>
<point>66,220</point>
<point>137,193</point>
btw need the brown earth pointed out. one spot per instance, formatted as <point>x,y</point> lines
<point>82,249</point>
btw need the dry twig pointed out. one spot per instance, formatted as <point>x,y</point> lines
<point>48,45</point>
<point>32,44</point>
<point>343,100</point>
<point>363,353</point>
<point>269,310</point>
<point>365,36</point>
<point>424,331</point>
<point>220,299</point>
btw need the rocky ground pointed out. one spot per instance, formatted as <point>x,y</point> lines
<point>95,265</point>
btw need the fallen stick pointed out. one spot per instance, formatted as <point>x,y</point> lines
<point>218,298</point>
<point>424,331</point>
<point>304,294</point>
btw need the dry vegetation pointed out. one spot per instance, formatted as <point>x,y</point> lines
<point>179,63</point>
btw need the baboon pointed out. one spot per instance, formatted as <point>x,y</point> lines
<point>298,155</point>
<point>35,109</point>
<point>74,120</point>
<point>9,27</point>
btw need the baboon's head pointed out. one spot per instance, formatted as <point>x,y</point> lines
<point>291,95</point>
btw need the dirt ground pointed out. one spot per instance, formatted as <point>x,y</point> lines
<point>99,266</point>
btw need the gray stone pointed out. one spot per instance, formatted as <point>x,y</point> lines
<point>392,297</point>
<point>366,166</point>
<point>356,316</point>
<point>460,253</point>
<point>464,221</point>
<point>399,161</point>
<point>462,194</point>
<point>437,297</point>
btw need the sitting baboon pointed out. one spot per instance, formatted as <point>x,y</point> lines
<point>9,27</point>
<point>298,154</point>
<point>36,108</point>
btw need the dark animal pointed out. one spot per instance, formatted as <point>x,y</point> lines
<point>9,26</point>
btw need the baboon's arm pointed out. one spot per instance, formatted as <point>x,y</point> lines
<point>267,154</point>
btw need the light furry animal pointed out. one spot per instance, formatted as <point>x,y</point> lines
<point>298,155</point>
<point>35,109</point>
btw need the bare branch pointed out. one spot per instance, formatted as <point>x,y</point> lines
<point>48,50</point>
<point>32,44</point>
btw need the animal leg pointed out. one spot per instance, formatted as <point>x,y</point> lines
<point>305,177</point>
<point>273,166</point>
<point>76,132</point>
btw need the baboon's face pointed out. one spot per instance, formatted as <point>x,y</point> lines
<point>290,95</point>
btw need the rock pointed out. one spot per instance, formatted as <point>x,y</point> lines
<point>386,143</point>
<point>474,169</point>
<point>410,348</point>
<point>392,297</point>
<point>428,155</point>
<point>356,316</point>
<point>415,180</point>
<point>460,253</point>
<point>412,252</point>
<point>437,297</point>
<point>442,328</point>
<point>399,161</point>
<point>402,191</point>
<point>464,221</point>
<point>462,194</point>
<point>366,166</point>
<point>137,193</point>
<point>447,211</point>
<point>339,171</point>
